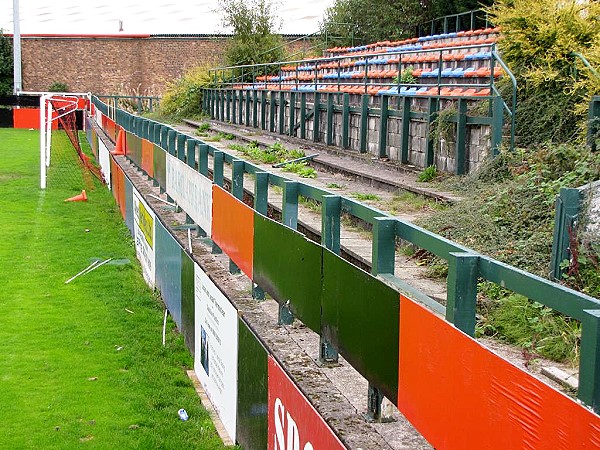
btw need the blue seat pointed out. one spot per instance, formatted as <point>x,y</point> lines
<point>391,91</point>
<point>447,72</point>
<point>458,72</point>
<point>431,74</point>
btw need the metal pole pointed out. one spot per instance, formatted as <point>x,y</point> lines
<point>42,143</point>
<point>16,48</point>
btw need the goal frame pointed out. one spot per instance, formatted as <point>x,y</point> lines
<point>46,121</point>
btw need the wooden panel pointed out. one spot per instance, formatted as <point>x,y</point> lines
<point>459,394</point>
<point>233,229</point>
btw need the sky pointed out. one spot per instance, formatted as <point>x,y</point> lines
<point>146,17</point>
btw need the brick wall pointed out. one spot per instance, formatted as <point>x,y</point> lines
<point>114,65</point>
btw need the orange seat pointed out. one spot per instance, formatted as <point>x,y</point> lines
<point>483,93</point>
<point>469,92</point>
<point>456,91</point>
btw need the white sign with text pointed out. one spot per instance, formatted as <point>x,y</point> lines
<point>191,191</point>
<point>216,348</point>
<point>144,235</point>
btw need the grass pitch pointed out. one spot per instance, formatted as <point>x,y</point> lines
<point>76,368</point>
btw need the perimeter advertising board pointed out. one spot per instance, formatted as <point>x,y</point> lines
<point>294,424</point>
<point>191,191</point>
<point>104,160</point>
<point>216,348</point>
<point>145,236</point>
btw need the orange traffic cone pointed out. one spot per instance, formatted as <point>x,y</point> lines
<point>78,198</point>
<point>120,146</point>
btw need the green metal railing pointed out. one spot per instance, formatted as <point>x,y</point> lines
<point>466,267</point>
<point>138,103</point>
<point>245,77</point>
<point>468,20</point>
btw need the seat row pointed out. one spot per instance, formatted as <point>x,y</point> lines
<point>403,44</point>
<point>412,58</point>
<point>375,89</point>
<point>448,72</point>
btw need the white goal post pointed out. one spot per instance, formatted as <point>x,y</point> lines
<point>46,111</point>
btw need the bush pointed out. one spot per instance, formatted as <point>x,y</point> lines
<point>58,86</point>
<point>554,88</point>
<point>183,97</point>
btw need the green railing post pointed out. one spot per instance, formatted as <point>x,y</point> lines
<point>263,110</point>
<point>281,117</point>
<point>331,209</point>
<point>404,150</point>
<point>255,109</point>
<point>261,192</point>
<point>247,112</point>
<point>237,178</point>
<point>289,207</point>
<point>237,190</point>
<point>317,117</point>
<point>241,107</point>
<point>227,105</point>
<point>261,206</point>
<point>233,118</point>
<point>383,126</point>
<point>383,249</point>
<point>497,124</point>
<point>364,123</point>
<point>171,144</point>
<point>432,112</point>
<point>203,159</point>
<point>374,400</point>
<point>346,121</point>
<point>292,121</point>
<point>463,273</point>
<point>303,115</point>
<point>190,154</point>
<point>330,130</point>
<point>461,138</point>
<point>568,206</point>
<point>218,159</point>
<point>181,141</point>
<point>589,367</point>
<point>272,109</point>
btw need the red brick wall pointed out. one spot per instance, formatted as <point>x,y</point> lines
<point>114,65</point>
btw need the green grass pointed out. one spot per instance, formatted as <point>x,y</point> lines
<point>364,197</point>
<point>75,366</point>
<point>406,201</point>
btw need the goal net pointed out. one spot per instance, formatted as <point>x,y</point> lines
<point>60,141</point>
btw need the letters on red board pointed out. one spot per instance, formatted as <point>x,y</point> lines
<point>294,424</point>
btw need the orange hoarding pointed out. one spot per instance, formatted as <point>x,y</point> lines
<point>233,228</point>
<point>148,157</point>
<point>461,395</point>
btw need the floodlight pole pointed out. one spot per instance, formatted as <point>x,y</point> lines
<point>17,49</point>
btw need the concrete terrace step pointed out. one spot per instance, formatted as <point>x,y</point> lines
<point>371,171</point>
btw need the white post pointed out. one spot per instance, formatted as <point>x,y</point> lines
<point>48,131</point>
<point>42,142</point>
<point>16,49</point>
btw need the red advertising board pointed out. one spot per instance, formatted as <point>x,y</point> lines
<point>294,424</point>
<point>459,394</point>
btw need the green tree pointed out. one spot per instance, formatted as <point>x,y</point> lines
<point>254,27</point>
<point>350,22</point>
<point>6,65</point>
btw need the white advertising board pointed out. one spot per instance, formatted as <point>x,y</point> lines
<point>191,191</point>
<point>99,117</point>
<point>104,159</point>
<point>216,348</point>
<point>144,234</point>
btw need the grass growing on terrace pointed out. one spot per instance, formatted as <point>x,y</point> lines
<point>75,367</point>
